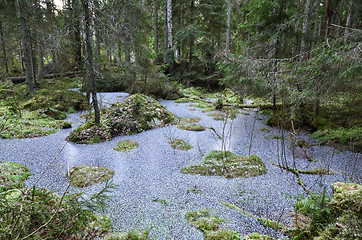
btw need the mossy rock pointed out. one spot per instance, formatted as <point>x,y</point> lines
<point>183,100</point>
<point>53,113</point>
<point>225,163</point>
<point>12,175</point>
<point>89,133</point>
<point>126,145</point>
<point>85,176</point>
<point>135,114</point>
<point>191,127</point>
<point>179,144</point>
<point>347,196</point>
<point>60,100</point>
<point>210,226</point>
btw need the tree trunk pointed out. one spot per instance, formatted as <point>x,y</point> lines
<point>90,64</point>
<point>305,31</point>
<point>26,39</point>
<point>97,35</point>
<point>127,47</point>
<point>328,20</point>
<point>169,25</point>
<point>228,28</point>
<point>156,27</point>
<point>348,21</point>
<point>3,47</point>
<point>192,36</point>
<point>77,36</point>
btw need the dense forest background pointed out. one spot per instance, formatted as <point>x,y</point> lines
<point>304,57</point>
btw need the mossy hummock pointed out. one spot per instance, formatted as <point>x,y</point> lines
<point>135,114</point>
<point>126,145</point>
<point>12,175</point>
<point>191,127</point>
<point>85,176</point>
<point>210,225</point>
<point>179,144</point>
<point>228,164</point>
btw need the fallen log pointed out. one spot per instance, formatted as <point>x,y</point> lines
<point>21,79</point>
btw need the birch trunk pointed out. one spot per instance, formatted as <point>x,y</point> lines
<point>169,25</point>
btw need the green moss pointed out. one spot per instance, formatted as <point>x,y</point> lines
<point>12,175</point>
<point>347,196</point>
<point>218,116</point>
<point>190,120</point>
<point>179,144</point>
<point>210,226</point>
<point>258,236</point>
<point>126,145</point>
<point>266,130</point>
<point>183,100</point>
<point>89,133</point>
<point>60,100</point>
<point>130,235</point>
<point>219,163</point>
<point>85,176</point>
<point>191,127</point>
<point>271,223</point>
<point>27,124</point>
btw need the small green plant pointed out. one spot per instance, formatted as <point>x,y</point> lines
<point>191,127</point>
<point>85,176</point>
<point>179,144</point>
<point>225,163</point>
<point>126,145</point>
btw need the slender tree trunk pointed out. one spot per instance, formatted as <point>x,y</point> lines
<point>348,21</point>
<point>169,25</point>
<point>228,21</point>
<point>3,47</point>
<point>127,47</point>
<point>328,20</point>
<point>156,27</point>
<point>77,35</point>
<point>40,58</point>
<point>26,39</point>
<point>305,31</point>
<point>90,64</point>
<point>192,36</point>
<point>97,49</point>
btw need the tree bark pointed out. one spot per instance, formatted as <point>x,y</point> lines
<point>192,36</point>
<point>26,39</point>
<point>97,49</point>
<point>155,26</point>
<point>328,20</point>
<point>228,21</point>
<point>348,21</point>
<point>169,25</point>
<point>78,63</point>
<point>3,47</point>
<point>90,63</point>
<point>305,31</point>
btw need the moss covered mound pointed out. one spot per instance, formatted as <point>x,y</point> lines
<point>179,144</point>
<point>191,127</point>
<point>85,176</point>
<point>210,226</point>
<point>61,100</point>
<point>126,145</point>
<point>89,133</point>
<point>135,114</point>
<point>225,163</point>
<point>12,175</point>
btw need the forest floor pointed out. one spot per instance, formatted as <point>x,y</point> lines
<point>153,194</point>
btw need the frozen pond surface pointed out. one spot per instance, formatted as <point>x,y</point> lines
<point>153,194</point>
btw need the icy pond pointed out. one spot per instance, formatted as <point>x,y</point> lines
<point>153,194</point>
